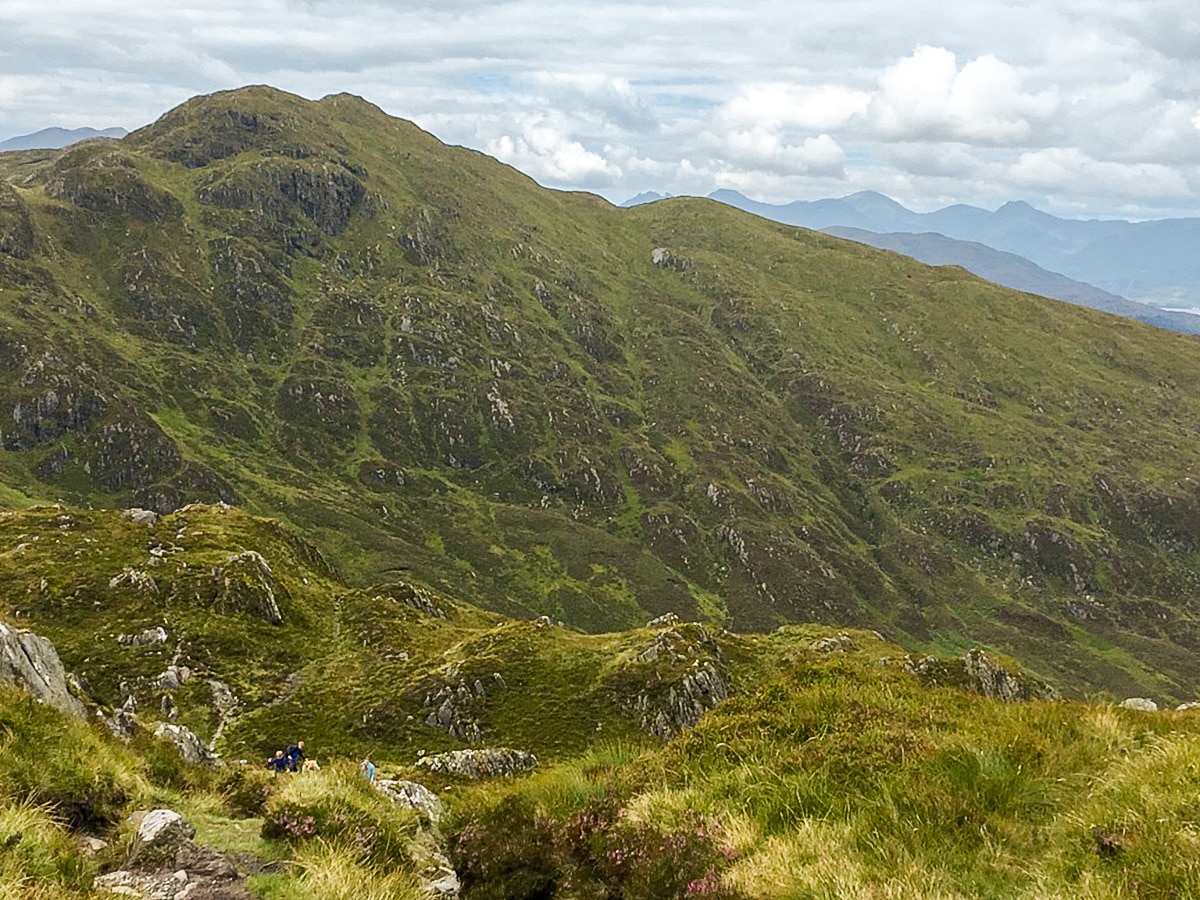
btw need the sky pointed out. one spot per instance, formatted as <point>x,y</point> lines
<point>1084,108</point>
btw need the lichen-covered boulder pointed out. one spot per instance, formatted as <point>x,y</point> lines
<point>159,836</point>
<point>1143,704</point>
<point>503,762</point>
<point>31,662</point>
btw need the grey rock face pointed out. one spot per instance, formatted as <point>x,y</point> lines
<point>1140,703</point>
<point>685,676</point>
<point>476,764</point>
<point>245,583</point>
<point>190,747</point>
<point>454,706</point>
<point>31,662</point>
<point>414,796</point>
<point>1187,707</point>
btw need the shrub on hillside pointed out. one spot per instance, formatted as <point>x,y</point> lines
<point>339,808</point>
<point>246,790</point>
<point>510,851</point>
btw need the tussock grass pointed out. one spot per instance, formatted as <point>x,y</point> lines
<point>84,777</point>
<point>845,779</point>
<point>37,854</point>
<point>329,873</point>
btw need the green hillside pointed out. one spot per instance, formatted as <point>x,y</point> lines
<point>535,403</point>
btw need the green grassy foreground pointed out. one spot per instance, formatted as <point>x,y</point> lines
<point>834,776</point>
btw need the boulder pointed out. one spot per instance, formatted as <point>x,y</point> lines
<point>477,764</point>
<point>31,662</point>
<point>1144,704</point>
<point>1187,707</point>
<point>141,516</point>
<point>156,635</point>
<point>414,796</point>
<point>190,747</point>
<point>162,829</point>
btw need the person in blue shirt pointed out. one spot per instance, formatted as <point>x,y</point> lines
<point>295,756</point>
<point>278,762</point>
<point>367,769</point>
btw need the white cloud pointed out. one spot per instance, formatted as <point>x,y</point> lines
<point>762,148</point>
<point>1070,171</point>
<point>778,105</point>
<point>927,96</point>
<point>998,99</point>
<point>545,152</point>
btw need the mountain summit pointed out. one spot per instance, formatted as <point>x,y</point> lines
<point>541,404</point>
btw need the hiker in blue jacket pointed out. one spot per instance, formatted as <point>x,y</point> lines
<point>295,756</point>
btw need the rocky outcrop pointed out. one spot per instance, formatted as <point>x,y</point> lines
<point>31,662</point>
<point>666,620</point>
<point>838,643</point>
<point>498,762</point>
<point>136,580</point>
<point>245,583</point>
<point>428,847</point>
<point>190,747</point>
<point>16,228</point>
<point>413,795</point>
<point>682,675</point>
<point>156,635</point>
<point>145,517</point>
<point>226,704</point>
<point>978,672</point>
<point>454,707</point>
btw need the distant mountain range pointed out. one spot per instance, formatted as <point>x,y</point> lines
<point>57,138</point>
<point>1016,272</point>
<point>1151,262</point>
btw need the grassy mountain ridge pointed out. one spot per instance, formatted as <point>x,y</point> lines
<point>440,371</point>
<point>1018,273</point>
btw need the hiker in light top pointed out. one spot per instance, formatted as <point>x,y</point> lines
<point>367,769</point>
